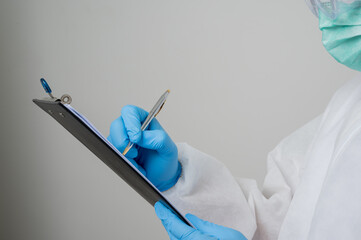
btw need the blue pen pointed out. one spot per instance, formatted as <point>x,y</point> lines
<point>46,87</point>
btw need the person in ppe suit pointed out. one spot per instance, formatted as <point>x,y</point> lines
<point>312,189</point>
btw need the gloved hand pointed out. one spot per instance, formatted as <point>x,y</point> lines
<point>154,152</point>
<point>203,230</point>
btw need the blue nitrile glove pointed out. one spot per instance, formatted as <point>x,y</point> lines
<point>154,152</point>
<point>203,230</point>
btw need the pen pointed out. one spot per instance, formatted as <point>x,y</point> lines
<point>46,87</point>
<point>152,114</point>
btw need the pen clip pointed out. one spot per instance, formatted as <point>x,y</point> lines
<point>159,109</point>
<point>46,87</point>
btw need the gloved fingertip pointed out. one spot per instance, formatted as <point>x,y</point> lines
<point>161,211</point>
<point>200,224</point>
<point>154,139</point>
<point>134,135</point>
<point>171,236</point>
<point>132,153</point>
<point>142,171</point>
<point>192,218</point>
<point>128,109</point>
<point>157,205</point>
<point>137,166</point>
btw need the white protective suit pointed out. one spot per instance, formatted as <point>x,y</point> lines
<point>312,189</point>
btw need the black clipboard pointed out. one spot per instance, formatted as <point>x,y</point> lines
<point>72,122</point>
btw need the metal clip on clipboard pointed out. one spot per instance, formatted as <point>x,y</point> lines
<point>64,99</point>
<point>89,136</point>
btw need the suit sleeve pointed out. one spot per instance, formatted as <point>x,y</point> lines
<point>207,189</point>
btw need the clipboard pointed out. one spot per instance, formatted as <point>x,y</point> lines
<point>89,136</point>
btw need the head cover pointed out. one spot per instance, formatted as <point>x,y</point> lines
<point>332,8</point>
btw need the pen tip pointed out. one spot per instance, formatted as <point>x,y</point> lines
<point>168,91</point>
<point>126,150</point>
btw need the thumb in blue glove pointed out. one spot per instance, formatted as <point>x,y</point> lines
<point>203,230</point>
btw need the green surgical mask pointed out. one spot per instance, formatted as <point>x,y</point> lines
<point>342,37</point>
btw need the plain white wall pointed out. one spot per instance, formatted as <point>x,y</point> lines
<point>243,75</point>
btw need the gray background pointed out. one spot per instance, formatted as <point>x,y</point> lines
<point>243,75</point>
